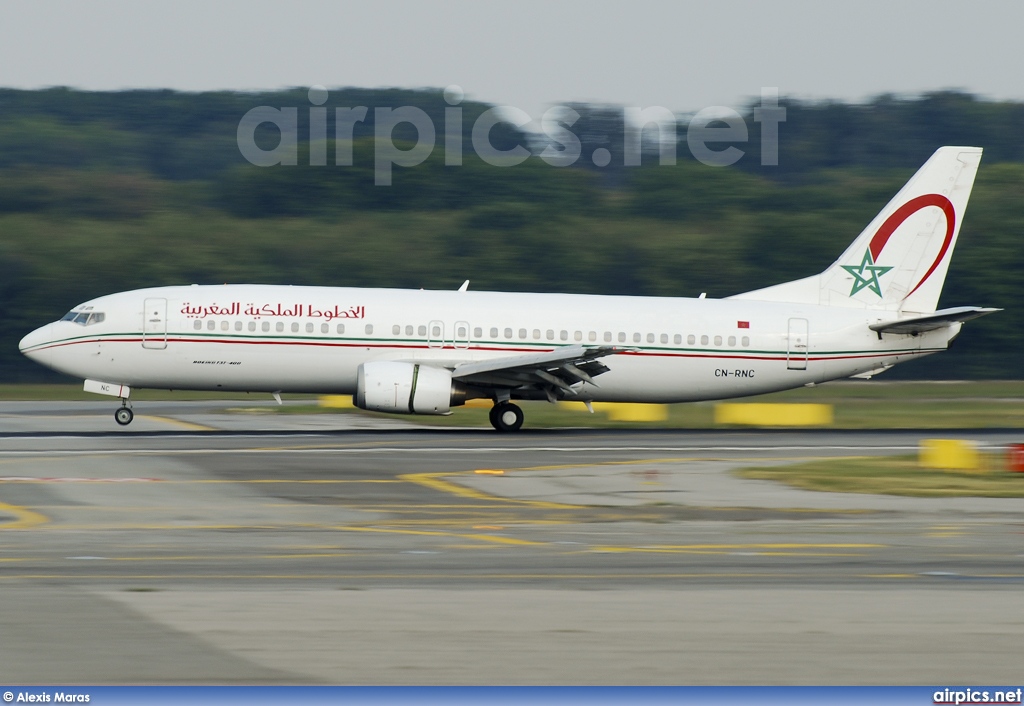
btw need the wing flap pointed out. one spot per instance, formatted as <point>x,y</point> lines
<point>556,370</point>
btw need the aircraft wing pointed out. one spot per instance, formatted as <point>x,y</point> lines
<point>551,371</point>
<point>931,322</point>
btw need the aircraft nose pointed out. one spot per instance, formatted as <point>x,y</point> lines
<point>32,345</point>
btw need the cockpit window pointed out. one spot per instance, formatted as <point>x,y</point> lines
<point>84,318</point>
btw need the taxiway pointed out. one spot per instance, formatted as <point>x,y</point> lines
<point>204,547</point>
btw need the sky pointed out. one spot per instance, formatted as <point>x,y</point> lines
<point>684,56</point>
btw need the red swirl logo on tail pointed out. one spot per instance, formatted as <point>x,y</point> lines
<point>904,212</point>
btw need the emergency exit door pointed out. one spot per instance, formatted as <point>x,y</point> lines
<point>796,356</point>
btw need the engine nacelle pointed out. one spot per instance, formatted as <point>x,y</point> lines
<point>406,388</point>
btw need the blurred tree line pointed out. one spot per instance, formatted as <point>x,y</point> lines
<point>102,192</point>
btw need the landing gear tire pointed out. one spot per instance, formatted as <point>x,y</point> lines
<point>124,416</point>
<point>506,417</point>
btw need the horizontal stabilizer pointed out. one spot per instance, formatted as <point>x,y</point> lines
<point>931,322</point>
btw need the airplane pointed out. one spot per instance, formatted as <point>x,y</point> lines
<point>425,352</point>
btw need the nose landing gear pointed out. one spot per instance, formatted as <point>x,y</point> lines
<point>124,415</point>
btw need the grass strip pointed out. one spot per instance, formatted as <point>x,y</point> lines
<point>895,475</point>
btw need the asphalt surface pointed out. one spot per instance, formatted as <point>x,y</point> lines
<point>198,546</point>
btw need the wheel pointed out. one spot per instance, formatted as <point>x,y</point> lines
<point>124,416</point>
<point>506,416</point>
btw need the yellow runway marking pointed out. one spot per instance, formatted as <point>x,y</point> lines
<point>311,481</point>
<point>457,535</point>
<point>773,549</point>
<point>191,482</point>
<point>679,459</point>
<point>233,557</point>
<point>188,426</point>
<point>25,518</point>
<point>708,552</point>
<point>773,545</point>
<point>434,481</point>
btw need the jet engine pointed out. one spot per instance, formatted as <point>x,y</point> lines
<point>407,388</point>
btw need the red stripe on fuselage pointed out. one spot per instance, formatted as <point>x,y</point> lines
<point>325,344</point>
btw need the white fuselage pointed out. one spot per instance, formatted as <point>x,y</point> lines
<point>313,339</point>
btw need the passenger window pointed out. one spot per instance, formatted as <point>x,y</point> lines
<point>435,331</point>
<point>636,338</point>
<point>408,330</point>
<point>309,327</point>
<point>732,340</point>
<point>279,326</point>
<point>238,325</point>
<point>494,332</point>
<point>522,334</point>
<point>677,339</point>
<point>225,325</point>
<point>718,340</point>
<point>265,326</point>
<point>536,334</point>
<point>478,333</point>
<point>422,330</point>
<point>295,327</point>
<point>745,341</point>
<point>341,329</point>
<point>549,334</point>
<point>703,340</point>
<point>508,333</point>
<point>564,335</point>
<point>369,329</point>
<point>396,329</point>
<point>622,336</point>
<point>664,338</point>
<point>211,325</point>
<point>461,332</point>
<point>592,336</point>
<point>691,339</point>
<point>197,325</point>
<point>607,336</point>
<point>578,335</point>
<point>252,325</point>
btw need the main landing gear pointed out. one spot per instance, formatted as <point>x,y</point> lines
<point>506,416</point>
<point>124,415</point>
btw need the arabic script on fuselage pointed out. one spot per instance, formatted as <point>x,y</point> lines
<point>201,311</point>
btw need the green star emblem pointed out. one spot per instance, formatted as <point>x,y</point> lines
<point>866,274</point>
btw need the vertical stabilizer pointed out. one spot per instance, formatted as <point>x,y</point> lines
<point>899,262</point>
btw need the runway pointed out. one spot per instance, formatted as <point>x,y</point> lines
<point>204,547</point>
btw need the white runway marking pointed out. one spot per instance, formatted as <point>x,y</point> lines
<point>457,450</point>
